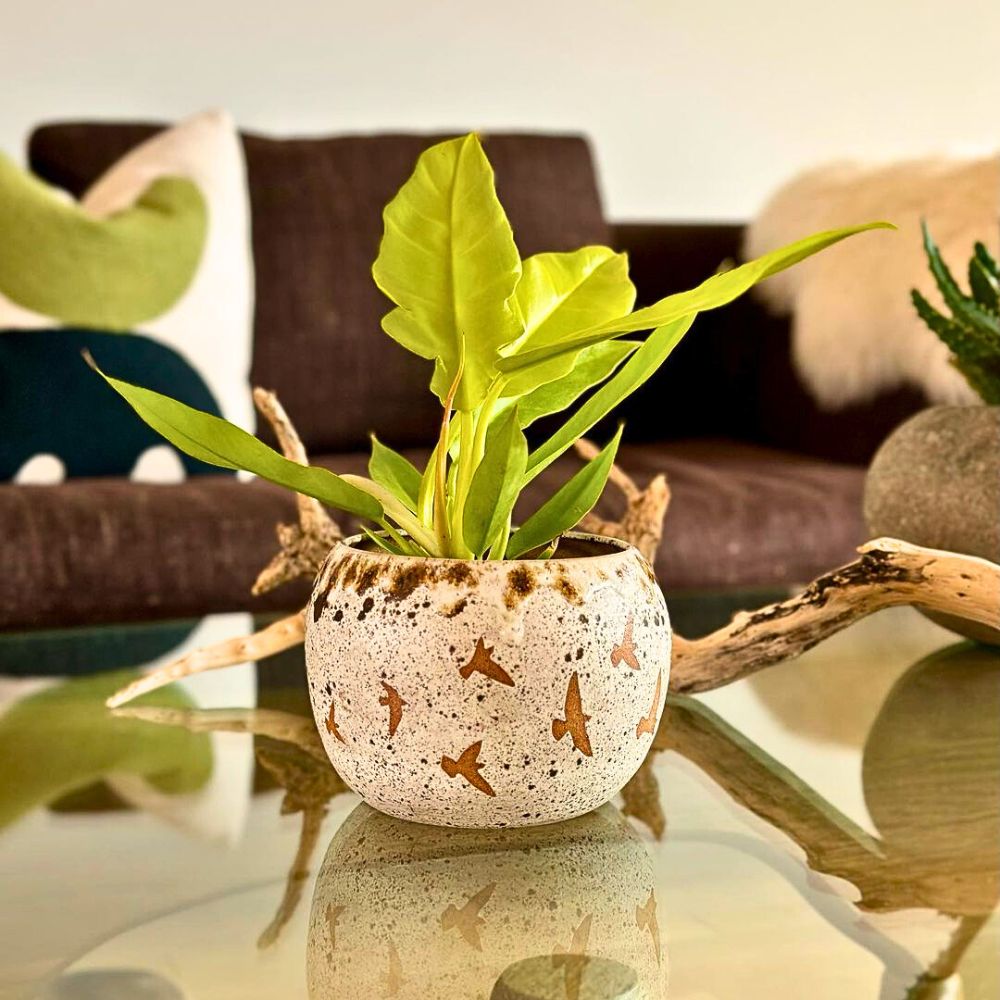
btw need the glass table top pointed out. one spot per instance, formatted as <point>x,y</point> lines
<point>828,828</point>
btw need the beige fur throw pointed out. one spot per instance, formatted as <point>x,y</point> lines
<point>855,329</point>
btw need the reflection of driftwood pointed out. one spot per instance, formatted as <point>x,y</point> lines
<point>293,754</point>
<point>305,545</point>
<point>642,523</point>
<point>889,573</point>
<point>275,638</point>
<point>309,785</point>
<point>299,730</point>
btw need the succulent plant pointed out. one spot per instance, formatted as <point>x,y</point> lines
<point>972,331</point>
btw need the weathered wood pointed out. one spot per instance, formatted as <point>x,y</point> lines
<point>305,545</point>
<point>642,523</point>
<point>275,638</point>
<point>888,573</point>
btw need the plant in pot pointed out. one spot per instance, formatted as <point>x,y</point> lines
<point>935,481</point>
<point>463,669</point>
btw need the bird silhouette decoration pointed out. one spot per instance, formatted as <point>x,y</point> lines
<point>331,723</point>
<point>575,722</point>
<point>647,724</point>
<point>394,976</point>
<point>395,704</point>
<point>624,652</point>
<point>332,919</point>
<point>482,662</point>
<point>467,920</point>
<point>468,766</point>
<point>574,959</point>
<point>645,920</point>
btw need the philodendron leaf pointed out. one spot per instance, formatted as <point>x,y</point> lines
<point>218,442</point>
<point>716,291</point>
<point>627,379</point>
<point>593,365</point>
<point>565,508</point>
<point>495,483</point>
<point>395,472</point>
<point>449,262</point>
<point>560,295</point>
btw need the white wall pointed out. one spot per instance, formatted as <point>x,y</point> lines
<point>696,109</point>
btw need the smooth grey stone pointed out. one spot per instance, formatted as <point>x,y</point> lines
<point>554,977</point>
<point>936,482</point>
<point>112,984</point>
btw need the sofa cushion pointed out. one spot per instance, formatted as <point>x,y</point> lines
<point>104,550</point>
<point>317,221</point>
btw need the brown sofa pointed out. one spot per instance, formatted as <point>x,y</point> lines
<point>766,488</point>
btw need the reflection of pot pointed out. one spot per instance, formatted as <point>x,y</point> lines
<point>488,694</point>
<point>936,482</point>
<point>425,912</point>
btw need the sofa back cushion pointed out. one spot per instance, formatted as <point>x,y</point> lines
<point>317,220</point>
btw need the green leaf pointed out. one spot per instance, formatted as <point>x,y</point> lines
<point>593,365</point>
<point>449,262</point>
<point>983,286</point>
<point>986,259</point>
<point>633,373</point>
<point>495,483</point>
<point>717,291</point>
<point>218,442</point>
<point>395,472</point>
<point>964,309</point>
<point>567,506</point>
<point>561,294</point>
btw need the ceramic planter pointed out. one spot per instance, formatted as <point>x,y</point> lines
<point>487,694</point>
<point>419,913</point>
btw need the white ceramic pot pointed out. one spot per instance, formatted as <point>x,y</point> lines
<point>419,913</point>
<point>487,694</point>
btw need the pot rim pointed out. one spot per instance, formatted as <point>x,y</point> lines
<point>616,548</point>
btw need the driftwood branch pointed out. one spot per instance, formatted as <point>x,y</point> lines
<point>305,545</point>
<point>275,638</point>
<point>888,573</point>
<point>642,523</point>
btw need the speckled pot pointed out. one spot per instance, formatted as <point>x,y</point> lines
<point>419,913</point>
<point>487,694</point>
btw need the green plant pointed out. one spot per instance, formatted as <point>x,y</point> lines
<point>511,340</point>
<point>972,331</point>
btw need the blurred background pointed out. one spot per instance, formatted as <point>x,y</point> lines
<point>696,110</point>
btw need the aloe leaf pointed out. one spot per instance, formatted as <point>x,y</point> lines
<point>639,367</point>
<point>964,309</point>
<point>449,262</point>
<point>593,365</point>
<point>717,291</point>
<point>495,483</point>
<point>567,506</point>
<point>986,259</point>
<point>218,442</point>
<point>395,472</point>
<point>983,286</point>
